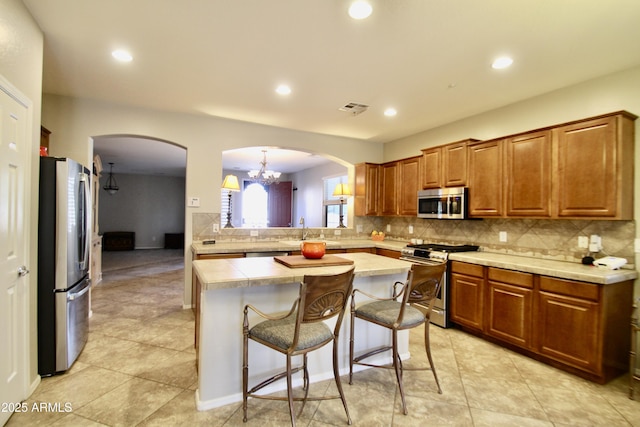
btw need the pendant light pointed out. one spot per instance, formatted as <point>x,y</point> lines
<point>111,186</point>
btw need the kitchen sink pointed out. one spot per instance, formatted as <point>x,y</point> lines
<point>297,242</point>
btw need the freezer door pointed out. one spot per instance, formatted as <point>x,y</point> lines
<point>73,207</point>
<point>72,324</point>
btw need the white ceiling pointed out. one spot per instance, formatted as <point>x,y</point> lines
<point>429,59</point>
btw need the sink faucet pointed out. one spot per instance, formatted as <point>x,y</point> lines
<point>304,233</point>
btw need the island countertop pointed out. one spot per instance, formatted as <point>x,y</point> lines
<point>246,272</point>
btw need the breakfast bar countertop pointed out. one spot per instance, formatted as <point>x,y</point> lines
<point>248,272</point>
<point>221,247</point>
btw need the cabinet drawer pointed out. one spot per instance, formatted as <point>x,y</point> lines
<point>569,288</point>
<point>468,269</point>
<point>515,278</point>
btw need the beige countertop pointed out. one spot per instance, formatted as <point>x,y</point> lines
<point>559,269</point>
<point>222,247</point>
<point>244,272</point>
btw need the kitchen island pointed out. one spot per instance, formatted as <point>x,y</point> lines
<point>227,285</point>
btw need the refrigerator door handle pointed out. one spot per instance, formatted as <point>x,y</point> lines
<point>85,218</point>
<point>72,297</point>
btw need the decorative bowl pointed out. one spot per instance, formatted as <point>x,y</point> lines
<point>313,250</point>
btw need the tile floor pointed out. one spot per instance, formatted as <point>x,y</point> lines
<point>138,368</point>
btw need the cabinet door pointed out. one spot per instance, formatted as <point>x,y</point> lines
<point>486,179</point>
<point>528,163</point>
<point>389,187</point>
<point>568,330</point>
<point>510,306</point>
<point>587,165</point>
<point>467,300</point>
<point>388,253</point>
<point>409,181</point>
<point>454,164</point>
<point>432,168</point>
<point>366,189</point>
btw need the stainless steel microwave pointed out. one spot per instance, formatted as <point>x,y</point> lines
<point>443,203</point>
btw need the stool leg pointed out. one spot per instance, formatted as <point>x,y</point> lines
<point>290,392</point>
<point>397,365</point>
<point>353,312</point>
<point>427,345</point>
<point>336,376</point>
<point>245,373</point>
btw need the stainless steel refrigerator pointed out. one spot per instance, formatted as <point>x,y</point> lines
<point>64,243</point>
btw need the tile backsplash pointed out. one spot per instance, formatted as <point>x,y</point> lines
<point>549,239</point>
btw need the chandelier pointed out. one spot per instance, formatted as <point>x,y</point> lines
<point>111,186</point>
<point>264,176</point>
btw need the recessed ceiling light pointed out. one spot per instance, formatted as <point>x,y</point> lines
<point>502,62</point>
<point>360,9</point>
<point>122,55</point>
<point>283,90</point>
<point>390,112</point>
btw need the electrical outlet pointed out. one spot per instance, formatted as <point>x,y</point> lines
<point>337,232</point>
<point>503,236</point>
<point>411,229</point>
<point>595,243</point>
<point>583,242</point>
<point>216,228</point>
<point>359,228</point>
<point>636,247</point>
<point>254,233</point>
<point>388,228</point>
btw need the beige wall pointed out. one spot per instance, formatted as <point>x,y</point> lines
<point>21,45</point>
<point>74,121</point>
<point>619,91</point>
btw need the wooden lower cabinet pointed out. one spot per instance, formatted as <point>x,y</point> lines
<point>510,306</point>
<point>568,330</point>
<point>580,327</point>
<point>388,253</point>
<point>467,291</point>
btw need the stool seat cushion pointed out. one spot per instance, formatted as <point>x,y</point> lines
<point>280,333</point>
<point>386,313</point>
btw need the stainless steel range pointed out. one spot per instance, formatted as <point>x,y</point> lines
<point>434,254</point>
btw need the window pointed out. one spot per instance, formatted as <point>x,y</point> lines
<point>255,200</point>
<point>331,204</point>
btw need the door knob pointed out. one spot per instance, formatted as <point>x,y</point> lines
<point>22,271</point>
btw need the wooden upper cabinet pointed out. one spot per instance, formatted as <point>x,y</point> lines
<point>486,179</point>
<point>389,189</point>
<point>528,175</point>
<point>454,163</point>
<point>367,186</point>
<point>408,185</point>
<point>432,168</point>
<point>445,165</point>
<point>595,167</point>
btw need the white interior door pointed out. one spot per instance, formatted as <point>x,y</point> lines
<point>14,286</point>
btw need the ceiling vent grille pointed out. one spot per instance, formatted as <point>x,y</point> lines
<point>354,108</point>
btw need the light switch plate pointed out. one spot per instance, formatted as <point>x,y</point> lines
<point>216,228</point>
<point>583,242</point>
<point>503,236</point>
<point>337,232</point>
<point>193,202</point>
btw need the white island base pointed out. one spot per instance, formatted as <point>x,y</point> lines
<point>229,284</point>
